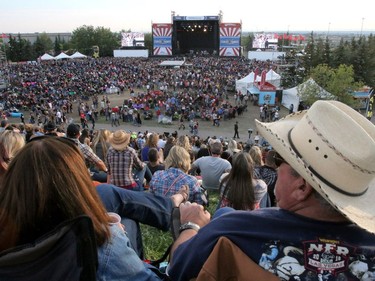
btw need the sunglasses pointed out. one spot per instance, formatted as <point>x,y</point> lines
<point>278,159</point>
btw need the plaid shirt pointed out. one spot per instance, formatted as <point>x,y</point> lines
<point>162,181</point>
<point>120,166</point>
<point>90,157</point>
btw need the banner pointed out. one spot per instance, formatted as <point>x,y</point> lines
<point>230,40</point>
<point>162,38</point>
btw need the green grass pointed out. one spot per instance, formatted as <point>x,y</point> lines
<point>156,242</point>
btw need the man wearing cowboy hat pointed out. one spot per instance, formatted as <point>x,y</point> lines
<point>325,224</point>
<point>125,169</point>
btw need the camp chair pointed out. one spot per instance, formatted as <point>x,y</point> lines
<point>235,266</point>
<point>68,252</point>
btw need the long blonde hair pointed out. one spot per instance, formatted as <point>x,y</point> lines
<point>102,137</point>
<point>10,144</point>
<point>184,142</point>
<point>179,158</point>
<point>256,155</point>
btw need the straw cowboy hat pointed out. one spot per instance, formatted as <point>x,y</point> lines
<point>333,148</point>
<point>119,140</point>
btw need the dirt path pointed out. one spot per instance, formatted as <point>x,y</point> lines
<point>206,129</point>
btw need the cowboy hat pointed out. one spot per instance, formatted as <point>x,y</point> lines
<point>119,140</point>
<point>332,147</point>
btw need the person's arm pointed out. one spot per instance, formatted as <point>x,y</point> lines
<point>93,158</point>
<point>194,213</point>
<point>101,166</point>
<point>137,162</point>
<point>193,168</point>
<point>161,155</point>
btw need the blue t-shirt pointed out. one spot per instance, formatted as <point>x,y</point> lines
<point>290,246</point>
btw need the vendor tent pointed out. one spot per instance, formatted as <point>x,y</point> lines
<point>62,55</point>
<point>291,96</point>
<point>77,55</point>
<point>273,78</point>
<point>47,57</point>
<point>248,81</point>
<point>244,83</point>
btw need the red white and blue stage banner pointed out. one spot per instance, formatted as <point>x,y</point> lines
<point>230,40</point>
<point>162,38</point>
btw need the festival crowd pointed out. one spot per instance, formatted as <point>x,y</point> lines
<point>296,203</point>
<point>50,89</point>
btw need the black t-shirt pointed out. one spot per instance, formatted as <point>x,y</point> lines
<point>153,169</point>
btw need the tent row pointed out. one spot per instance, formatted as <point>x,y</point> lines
<point>62,55</point>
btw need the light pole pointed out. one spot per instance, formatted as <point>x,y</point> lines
<point>329,27</point>
<point>250,131</point>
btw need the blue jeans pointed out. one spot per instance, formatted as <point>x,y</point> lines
<point>140,175</point>
<point>136,207</point>
<point>99,176</point>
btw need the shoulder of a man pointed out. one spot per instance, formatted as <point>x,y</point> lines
<point>188,261</point>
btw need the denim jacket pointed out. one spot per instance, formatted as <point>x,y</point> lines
<point>118,261</point>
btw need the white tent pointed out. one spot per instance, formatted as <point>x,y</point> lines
<point>273,78</point>
<point>47,57</point>
<point>77,55</point>
<point>290,96</point>
<point>62,55</point>
<point>248,81</point>
<point>244,83</point>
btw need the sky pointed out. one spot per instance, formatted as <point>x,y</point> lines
<point>29,16</point>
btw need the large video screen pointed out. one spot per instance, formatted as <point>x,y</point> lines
<point>265,41</point>
<point>132,39</point>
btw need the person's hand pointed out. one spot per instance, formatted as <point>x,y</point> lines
<point>192,212</point>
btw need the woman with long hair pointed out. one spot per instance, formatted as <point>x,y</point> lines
<point>184,142</point>
<point>171,141</point>
<point>56,187</point>
<point>85,137</point>
<point>238,188</point>
<point>10,143</point>
<point>257,157</point>
<point>100,144</point>
<point>232,149</point>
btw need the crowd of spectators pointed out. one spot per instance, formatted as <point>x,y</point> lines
<point>191,162</point>
<point>50,89</point>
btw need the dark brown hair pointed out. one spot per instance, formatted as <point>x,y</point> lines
<point>238,184</point>
<point>46,184</point>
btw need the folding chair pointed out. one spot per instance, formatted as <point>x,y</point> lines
<point>68,252</point>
